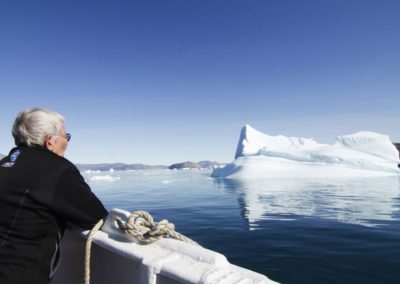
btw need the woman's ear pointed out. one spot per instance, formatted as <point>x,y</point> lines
<point>49,143</point>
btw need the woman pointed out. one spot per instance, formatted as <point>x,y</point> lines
<point>40,191</point>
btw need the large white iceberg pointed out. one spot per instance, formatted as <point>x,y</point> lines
<point>263,156</point>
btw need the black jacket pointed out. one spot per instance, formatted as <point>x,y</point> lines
<point>39,193</point>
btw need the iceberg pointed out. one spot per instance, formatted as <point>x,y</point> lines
<point>105,178</point>
<point>259,155</point>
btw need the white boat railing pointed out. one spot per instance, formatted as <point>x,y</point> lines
<point>117,260</point>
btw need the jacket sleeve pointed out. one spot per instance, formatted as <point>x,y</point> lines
<point>75,203</point>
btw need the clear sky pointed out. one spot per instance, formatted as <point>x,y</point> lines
<point>167,81</point>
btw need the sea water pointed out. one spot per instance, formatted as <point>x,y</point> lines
<point>292,230</point>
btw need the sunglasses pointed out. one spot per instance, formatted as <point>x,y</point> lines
<point>68,136</point>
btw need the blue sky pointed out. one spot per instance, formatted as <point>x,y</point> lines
<point>163,81</point>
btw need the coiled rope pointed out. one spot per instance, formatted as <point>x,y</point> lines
<point>141,226</point>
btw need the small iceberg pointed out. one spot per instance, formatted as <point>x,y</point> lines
<point>104,178</point>
<point>259,155</point>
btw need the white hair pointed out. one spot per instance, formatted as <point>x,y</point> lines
<point>33,125</point>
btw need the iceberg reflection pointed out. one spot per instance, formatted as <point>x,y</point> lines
<point>362,201</point>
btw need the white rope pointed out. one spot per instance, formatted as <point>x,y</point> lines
<point>142,228</point>
<point>88,247</point>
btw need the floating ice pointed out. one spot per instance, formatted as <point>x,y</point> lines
<point>104,178</point>
<point>91,171</point>
<point>262,156</point>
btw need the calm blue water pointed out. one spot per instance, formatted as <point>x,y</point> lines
<point>293,231</point>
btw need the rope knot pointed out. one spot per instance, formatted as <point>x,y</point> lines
<point>142,227</point>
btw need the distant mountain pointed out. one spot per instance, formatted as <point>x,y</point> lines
<point>194,165</point>
<point>185,165</point>
<point>118,167</point>
<point>123,167</point>
<point>1,156</point>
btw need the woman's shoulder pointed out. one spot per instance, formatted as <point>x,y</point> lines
<point>42,156</point>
